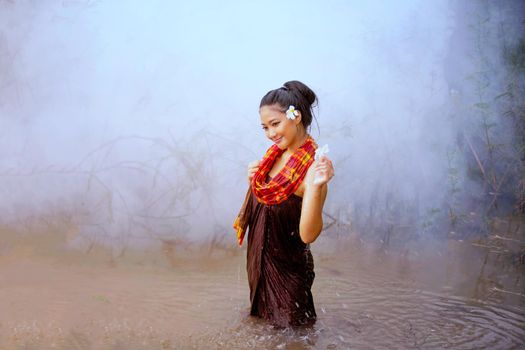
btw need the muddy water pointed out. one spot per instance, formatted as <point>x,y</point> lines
<point>449,295</point>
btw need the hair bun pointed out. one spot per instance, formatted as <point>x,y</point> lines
<point>305,91</point>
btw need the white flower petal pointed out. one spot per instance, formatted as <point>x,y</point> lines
<point>291,112</point>
<point>321,151</point>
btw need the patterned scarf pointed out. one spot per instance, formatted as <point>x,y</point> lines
<point>281,186</point>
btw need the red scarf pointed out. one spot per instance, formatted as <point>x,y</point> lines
<point>281,186</point>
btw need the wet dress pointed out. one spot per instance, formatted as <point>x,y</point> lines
<point>280,265</point>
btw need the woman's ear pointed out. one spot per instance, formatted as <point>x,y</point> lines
<point>298,118</point>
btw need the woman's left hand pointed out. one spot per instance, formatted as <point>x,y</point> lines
<point>323,171</point>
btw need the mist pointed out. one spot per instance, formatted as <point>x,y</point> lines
<point>132,124</point>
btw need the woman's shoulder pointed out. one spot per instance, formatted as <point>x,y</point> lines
<point>310,173</point>
<point>308,177</point>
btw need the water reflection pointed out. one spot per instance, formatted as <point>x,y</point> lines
<point>171,297</point>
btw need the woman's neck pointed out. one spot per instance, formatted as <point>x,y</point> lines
<point>296,144</point>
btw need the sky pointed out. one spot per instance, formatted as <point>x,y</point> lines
<point>137,119</point>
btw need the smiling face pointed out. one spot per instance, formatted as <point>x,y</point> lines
<point>286,133</point>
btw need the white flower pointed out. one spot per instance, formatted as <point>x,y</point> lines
<point>291,113</point>
<point>321,151</point>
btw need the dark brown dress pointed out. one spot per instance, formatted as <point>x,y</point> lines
<point>280,266</point>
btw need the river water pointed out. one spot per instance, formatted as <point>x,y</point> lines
<point>443,295</point>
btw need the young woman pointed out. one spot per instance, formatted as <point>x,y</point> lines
<point>283,209</point>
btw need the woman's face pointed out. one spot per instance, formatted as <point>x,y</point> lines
<point>278,128</point>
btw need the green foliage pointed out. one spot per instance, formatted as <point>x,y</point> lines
<point>486,165</point>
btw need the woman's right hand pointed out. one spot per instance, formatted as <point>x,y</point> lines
<point>252,169</point>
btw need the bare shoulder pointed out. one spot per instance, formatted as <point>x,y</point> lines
<point>308,179</point>
<point>310,173</point>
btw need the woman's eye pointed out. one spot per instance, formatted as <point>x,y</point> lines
<point>275,124</point>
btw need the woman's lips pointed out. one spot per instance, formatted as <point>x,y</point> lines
<point>278,140</point>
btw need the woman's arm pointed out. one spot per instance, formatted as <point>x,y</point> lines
<point>316,188</point>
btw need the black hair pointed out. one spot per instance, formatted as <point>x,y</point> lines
<point>293,93</point>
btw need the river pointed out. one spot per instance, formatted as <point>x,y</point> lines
<point>451,294</point>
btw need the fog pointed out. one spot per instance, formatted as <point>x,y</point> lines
<point>133,123</point>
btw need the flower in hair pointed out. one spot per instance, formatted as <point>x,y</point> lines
<point>291,113</point>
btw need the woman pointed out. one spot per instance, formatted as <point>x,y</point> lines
<point>283,209</point>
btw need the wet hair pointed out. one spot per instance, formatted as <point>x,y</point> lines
<point>293,93</point>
